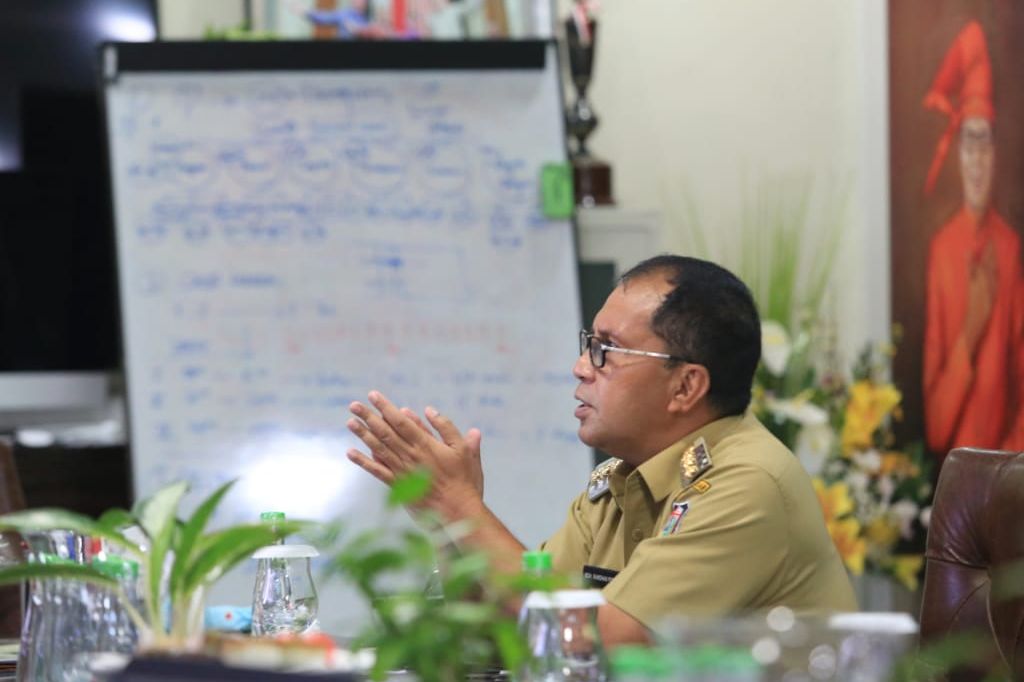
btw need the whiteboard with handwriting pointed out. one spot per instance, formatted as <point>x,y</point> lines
<point>289,240</point>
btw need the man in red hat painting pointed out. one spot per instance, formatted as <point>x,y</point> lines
<point>974,333</point>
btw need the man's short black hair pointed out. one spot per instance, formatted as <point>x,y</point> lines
<point>708,318</point>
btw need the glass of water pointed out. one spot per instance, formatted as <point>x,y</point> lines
<point>284,599</point>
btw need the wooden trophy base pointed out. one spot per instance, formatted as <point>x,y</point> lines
<point>592,181</point>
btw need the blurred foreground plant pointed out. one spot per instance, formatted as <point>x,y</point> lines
<point>450,619</point>
<point>152,535</point>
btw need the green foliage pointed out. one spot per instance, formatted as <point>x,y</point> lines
<point>454,626</point>
<point>20,572</point>
<point>200,558</point>
<point>785,248</point>
<point>410,488</point>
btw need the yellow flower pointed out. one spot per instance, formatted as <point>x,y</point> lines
<point>898,464</point>
<point>869,404</point>
<point>835,500</point>
<point>906,568</point>
<point>850,545</point>
<point>882,533</point>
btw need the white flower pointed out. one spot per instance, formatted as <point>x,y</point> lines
<point>801,411</point>
<point>886,487</point>
<point>868,460</point>
<point>904,512</point>
<point>775,346</point>
<point>813,445</point>
<point>926,516</point>
<point>858,482</point>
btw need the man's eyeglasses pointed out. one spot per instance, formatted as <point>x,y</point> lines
<point>598,350</point>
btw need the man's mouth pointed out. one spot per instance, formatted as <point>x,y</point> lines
<point>582,408</point>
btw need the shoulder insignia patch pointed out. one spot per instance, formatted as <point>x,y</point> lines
<point>599,478</point>
<point>695,461</point>
<point>679,510</point>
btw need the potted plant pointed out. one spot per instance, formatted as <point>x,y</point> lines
<point>197,558</point>
<point>450,619</point>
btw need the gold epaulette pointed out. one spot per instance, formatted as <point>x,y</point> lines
<point>695,461</point>
<point>600,478</point>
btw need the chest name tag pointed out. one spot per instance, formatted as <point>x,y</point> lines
<point>679,510</point>
<point>596,577</point>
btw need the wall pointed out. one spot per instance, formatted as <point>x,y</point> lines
<point>705,98</point>
<point>187,19</point>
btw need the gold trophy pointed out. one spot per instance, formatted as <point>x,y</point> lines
<point>592,177</point>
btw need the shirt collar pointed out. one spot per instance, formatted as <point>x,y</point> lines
<point>661,472</point>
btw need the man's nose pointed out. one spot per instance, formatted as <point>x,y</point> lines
<point>583,369</point>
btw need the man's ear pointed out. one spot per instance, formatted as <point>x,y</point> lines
<point>690,384</point>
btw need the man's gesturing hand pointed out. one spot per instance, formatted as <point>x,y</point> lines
<point>399,442</point>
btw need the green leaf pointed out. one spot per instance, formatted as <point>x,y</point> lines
<point>391,655</point>
<point>375,562</point>
<point>190,533</point>
<point>156,512</point>
<point>16,574</point>
<point>470,613</point>
<point>223,550</point>
<point>409,488</point>
<point>465,573</point>
<point>419,548</point>
<point>510,642</point>
<point>115,519</point>
<point>46,519</point>
<point>157,515</point>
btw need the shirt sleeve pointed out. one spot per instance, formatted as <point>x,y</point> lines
<point>722,555</point>
<point>570,545</point>
<point>948,373</point>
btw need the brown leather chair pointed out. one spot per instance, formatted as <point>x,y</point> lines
<point>975,538</point>
<point>11,499</point>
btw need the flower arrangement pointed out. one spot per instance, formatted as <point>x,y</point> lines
<point>875,496</point>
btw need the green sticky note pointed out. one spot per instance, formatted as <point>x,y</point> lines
<point>556,190</point>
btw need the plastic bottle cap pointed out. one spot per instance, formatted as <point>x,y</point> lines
<point>286,552</point>
<point>564,599</point>
<point>536,561</point>
<point>271,516</point>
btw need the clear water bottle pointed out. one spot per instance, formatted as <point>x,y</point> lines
<point>284,599</point>
<point>560,628</point>
<point>56,633</point>
<point>434,588</point>
<point>115,630</point>
<point>37,625</point>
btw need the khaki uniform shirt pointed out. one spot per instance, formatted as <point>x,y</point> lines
<point>724,520</point>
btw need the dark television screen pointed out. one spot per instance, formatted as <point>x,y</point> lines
<point>57,275</point>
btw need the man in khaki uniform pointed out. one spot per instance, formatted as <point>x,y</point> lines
<point>744,533</point>
<point>703,511</point>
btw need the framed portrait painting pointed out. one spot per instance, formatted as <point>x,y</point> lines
<point>956,71</point>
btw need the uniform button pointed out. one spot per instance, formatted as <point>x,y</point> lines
<point>638,535</point>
